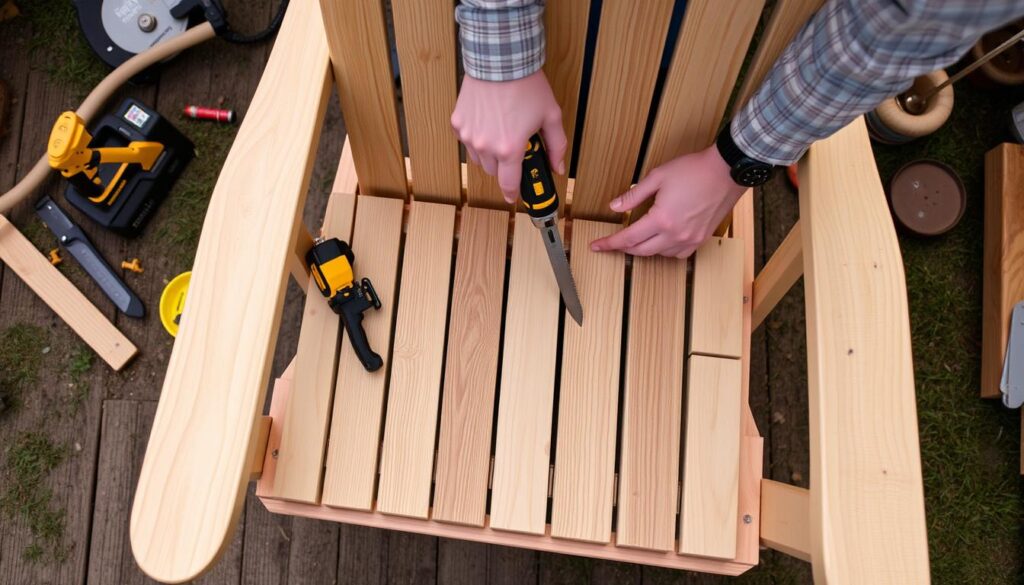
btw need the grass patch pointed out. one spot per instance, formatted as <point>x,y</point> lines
<point>21,355</point>
<point>77,364</point>
<point>185,208</point>
<point>57,41</point>
<point>25,498</point>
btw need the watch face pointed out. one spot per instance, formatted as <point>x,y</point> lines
<point>751,173</point>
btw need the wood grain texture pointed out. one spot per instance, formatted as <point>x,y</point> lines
<point>193,479</point>
<point>711,461</point>
<point>581,501</point>
<point>361,60</point>
<point>471,370</point>
<point>716,314</point>
<point>519,491</point>
<point>700,80</point>
<point>22,257</point>
<point>565,27</point>
<point>407,459</point>
<point>425,37</point>
<point>1004,258</point>
<point>779,274</point>
<point>345,178</point>
<point>629,46</point>
<point>652,405</point>
<point>300,458</point>
<point>865,457</point>
<point>784,519</point>
<point>482,189</point>
<point>788,17</point>
<point>359,395</point>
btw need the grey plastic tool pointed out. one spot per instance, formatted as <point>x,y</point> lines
<point>1012,383</point>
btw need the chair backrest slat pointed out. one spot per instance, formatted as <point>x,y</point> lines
<point>361,59</point>
<point>425,37</point>
<point>630,42</point>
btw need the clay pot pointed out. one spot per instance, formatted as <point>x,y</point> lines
<point>927,197</point>
<point>1006,68</point>
<point>890,123</point>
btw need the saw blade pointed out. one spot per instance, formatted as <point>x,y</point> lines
<point>560,266</point>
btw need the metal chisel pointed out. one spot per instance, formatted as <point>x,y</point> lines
<point>74,241</point>
<point>537,190</point>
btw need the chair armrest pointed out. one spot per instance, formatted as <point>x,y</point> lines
<point>196,469</point>
<point>867,518</point>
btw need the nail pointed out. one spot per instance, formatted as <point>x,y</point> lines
<point>616,204</point>
<point>561,167</point>
<point>595,248</point>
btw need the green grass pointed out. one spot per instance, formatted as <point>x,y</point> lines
<point>969,447</point>
<point>57,41</point>
<point>77,364</point>
<point>21,355</point>
<point>25,497</point>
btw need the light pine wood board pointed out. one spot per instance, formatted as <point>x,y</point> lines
<point>784,519</point>
<point>779,274</point>
<point>482,189</point>
<point>407,459</point>
<point>425,37</point>
<point>589,393</point>
<point>345,179</point>
<point>361,59</point>
<point>22,257</point>
<point>629,47</point>
<point>788,17</point>
<point>1004,258</point>
<point>519,491</point>
<point>356,419</point>
<point>652,405</point>
<point>865,456</point>
<point>300,454</point>
<point>711,460</point>
<point>716,314</point>
<point>471,370</point>
<point>565,27</point>
<point>194,476</point>
<point>700,80</point>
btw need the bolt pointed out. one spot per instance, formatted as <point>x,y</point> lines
<point>274,453</point>
<point>147,22</point>
<point>747,518</point>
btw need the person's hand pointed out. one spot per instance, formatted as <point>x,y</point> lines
<point>495,119</point>
<point>693,194</point>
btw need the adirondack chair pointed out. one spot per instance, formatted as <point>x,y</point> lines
<point>496,419</point>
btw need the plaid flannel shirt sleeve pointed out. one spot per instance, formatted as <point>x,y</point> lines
<point>851,56</point>
<point>501,40</point>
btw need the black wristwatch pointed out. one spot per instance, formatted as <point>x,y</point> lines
<point>746,171</point>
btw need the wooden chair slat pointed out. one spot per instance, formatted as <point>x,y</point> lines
<point>407,459</point>
<point>589,393</point>
<point>522,451</point>
<point>300,456</point>
<point>707,523</point>
<point>629,48</point>
<point>425,37</point>
<point>359,395</point>
<point>649,464</point>
<point>716,314</point>
<point>704,68</point>
<point>361,59</point>
<point>566,36</point>
<point>471,370</point>
<point>482,189</point>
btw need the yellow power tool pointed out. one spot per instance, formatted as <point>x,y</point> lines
<point>330,262</point>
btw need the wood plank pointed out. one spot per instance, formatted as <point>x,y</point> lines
<point>708,55</point>
<point>865,456</point>
<point>652,405</point>
<point>345,179</point>
<point>779,274</point>
<point>300,454</point>
<point>711,463</point>
<point>589,393</point>
<point>361,60</point>
<point>784,519</point>
<point>523,447</point>
<point>425,37</point>
<point>621,87</point>
<point>202,439</point>
<point>471,369</point>
<point>359,395</point>
<point>407,459</point>
<point>1004,258</point>
<point>716,315</point>
<point>22,257</point>
<point>565,27</point>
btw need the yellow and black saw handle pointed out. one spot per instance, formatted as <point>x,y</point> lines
<point>350,303</point>
<point>537,188</point>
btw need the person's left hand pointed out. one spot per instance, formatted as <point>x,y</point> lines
<point>692,195</point>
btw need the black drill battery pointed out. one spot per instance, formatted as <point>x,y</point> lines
<point>142,190</point>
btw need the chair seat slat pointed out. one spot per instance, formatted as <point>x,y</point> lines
<point>716,315</point>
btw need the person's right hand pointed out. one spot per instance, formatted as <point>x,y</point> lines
<point>495,119</point>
